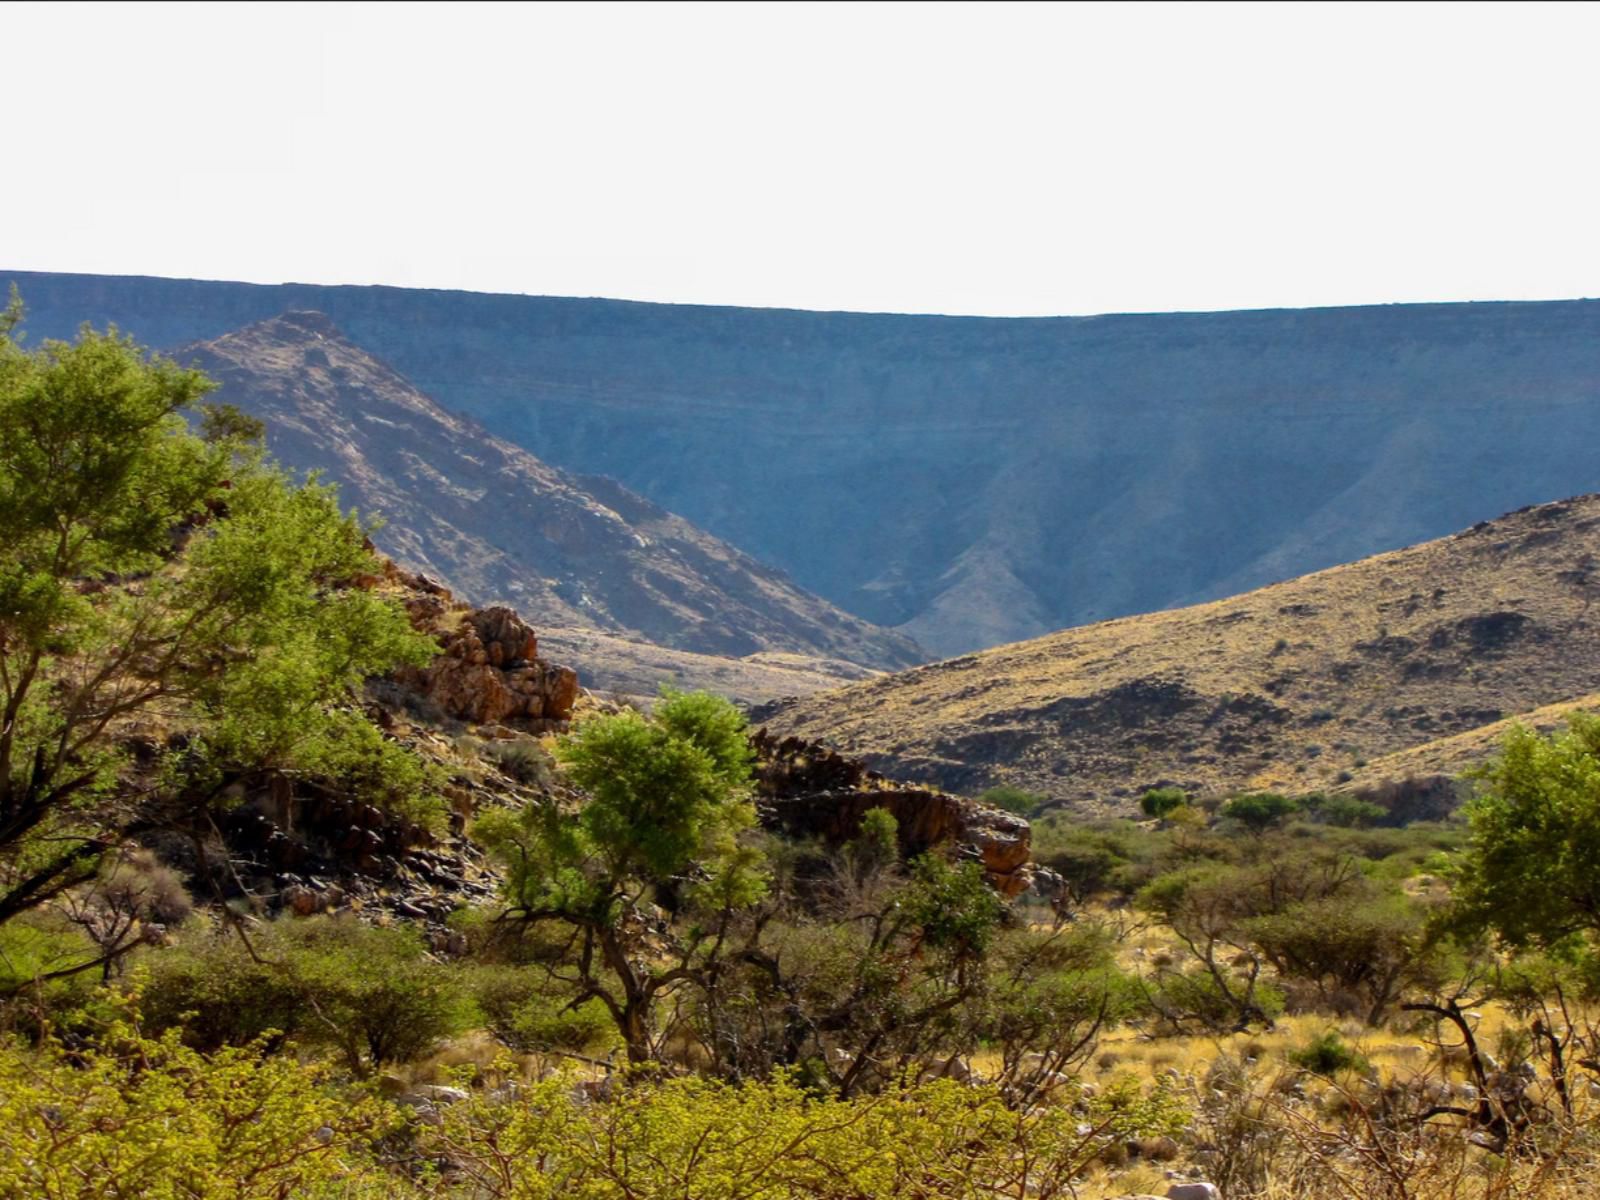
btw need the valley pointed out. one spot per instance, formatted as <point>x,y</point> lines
<point>976,481</point>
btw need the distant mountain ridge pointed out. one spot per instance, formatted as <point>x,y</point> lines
<point>979,480</point>
<point>1402,663</point>
<point>493,522</point>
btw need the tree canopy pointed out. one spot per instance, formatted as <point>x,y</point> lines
<point>153,573</point>
<point>1531,868</point>
<point>668,798</point>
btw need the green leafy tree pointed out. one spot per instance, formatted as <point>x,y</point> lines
<point>668,805</point>
<point>153,573</point>
<point>1363,942</point>
<point>1259,811</point>
<point>1531,868</point>
<point>1350,812</point>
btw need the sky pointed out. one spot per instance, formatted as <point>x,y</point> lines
<point>977,159</point>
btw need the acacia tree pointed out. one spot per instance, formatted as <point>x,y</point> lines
<point>154,573</point>
<point>668,798</point>
<point>1531,868</point>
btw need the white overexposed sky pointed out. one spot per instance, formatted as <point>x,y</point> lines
<point>1027,159</point>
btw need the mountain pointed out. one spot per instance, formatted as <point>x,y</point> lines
<point>974,481</point>
<point>491,521</point>
<point>1291,687</point>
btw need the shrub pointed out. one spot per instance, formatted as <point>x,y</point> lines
<point>1259,811</point>
<point>1348,812</point>
<point>692,1137</point>
<point>528,1018</point>
<point>1099,857</point>
<point>522,759</point>
<point>376,994</point>
<point>31,949</point>
<point>135,1116</point>
<point>208,990</point>
<point>1327,1055</point>
<point>1195,998</point>
<point>370,992</point>
<point>1158,802</point>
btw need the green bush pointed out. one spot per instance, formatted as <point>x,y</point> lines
<point>209,990</point>
<point>1259,811</point>
<point>1194,996</point>
<point>371,993</point>
<point>1327,1055</point>
<point>1101,856</point>
<point>31,948</point>
<point>378,997</point>
<point>527,1018</point>
<point>1350,813</point>
<point>1158,802</point>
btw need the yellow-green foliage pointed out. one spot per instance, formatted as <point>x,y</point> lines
<point>154,1120</point>
<point>766,1141</point>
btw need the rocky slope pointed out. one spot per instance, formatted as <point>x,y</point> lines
<point>295,843</point>
<point>977,481</point>
<point>479,713</point>
<point>1295,686</point>
<point>495,523</point>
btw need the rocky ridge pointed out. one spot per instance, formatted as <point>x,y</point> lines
<point>495,524</point>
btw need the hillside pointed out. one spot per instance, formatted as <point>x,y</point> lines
<point>634,668</point>
<point>495,523</point>
<point>1294,686</point>
<point>1456,754</point>
<point>976,481</point>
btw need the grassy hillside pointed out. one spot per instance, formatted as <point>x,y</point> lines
<point>1296,686</point>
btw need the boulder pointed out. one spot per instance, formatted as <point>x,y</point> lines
<point>436,1093</point>
<point>488,670</point>
<point>1193,1191</point>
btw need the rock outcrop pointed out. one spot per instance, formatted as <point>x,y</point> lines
<point>488,671</point>
<point>806,790</point>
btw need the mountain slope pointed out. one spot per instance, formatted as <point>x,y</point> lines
<point>1458,753</point>
<point>972,480</point>
<point>1293,686</point>
<point>493,522</point>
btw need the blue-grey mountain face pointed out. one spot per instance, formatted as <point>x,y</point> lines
<point>977,480</point>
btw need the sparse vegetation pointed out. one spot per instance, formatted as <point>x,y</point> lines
<point>1013,799</point>
<point>1338,993</point>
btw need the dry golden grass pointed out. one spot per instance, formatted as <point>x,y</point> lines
<point>1293,687</point>
<point>1316,1131</point>
<point>1453,755</point>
